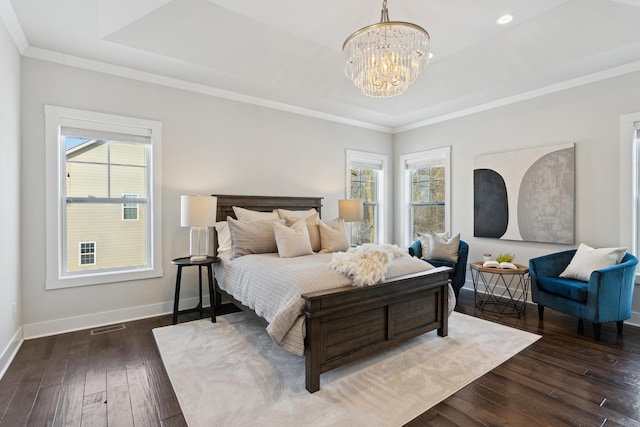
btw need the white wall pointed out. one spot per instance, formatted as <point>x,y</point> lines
<point>10,323</point>
<point>210,145</point>
<point>588,116</point>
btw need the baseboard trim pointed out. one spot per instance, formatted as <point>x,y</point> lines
<point>10,352</point>
<point>70,324</point>
<point>77,323</point>
<point>633,321</point>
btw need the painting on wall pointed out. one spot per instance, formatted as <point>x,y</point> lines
<point>526,195</point>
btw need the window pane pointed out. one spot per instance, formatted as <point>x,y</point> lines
<point>428,218</point>
<point>128,180</point>
<point>106,170</point>
<point>428,199</point>
<point>364,231</point>
<point>87,180</point>
<point>128,154</point>
<point>121,243</point>
<point>364,186</point>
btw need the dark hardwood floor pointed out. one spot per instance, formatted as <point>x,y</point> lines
<point>117,379</point>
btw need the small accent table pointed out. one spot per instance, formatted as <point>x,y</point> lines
<point>186,262</point>
<point>505,289</point>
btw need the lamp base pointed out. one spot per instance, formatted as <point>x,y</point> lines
<point>198,243</point>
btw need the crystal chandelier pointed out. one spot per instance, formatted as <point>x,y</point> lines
<point>384,59</point>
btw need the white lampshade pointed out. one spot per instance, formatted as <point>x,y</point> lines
<point>351,210</point>
<point>198,211</point>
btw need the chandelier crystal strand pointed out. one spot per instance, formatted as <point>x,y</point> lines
<point>383,59</point>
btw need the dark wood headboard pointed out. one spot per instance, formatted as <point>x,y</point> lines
<point>263,204</point>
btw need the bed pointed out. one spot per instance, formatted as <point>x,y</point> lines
<point>347,322</point>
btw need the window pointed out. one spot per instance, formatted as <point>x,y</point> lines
<point>630,182</point>
<point>103,190</point>
<point>425,193</point>
<point>87,254</point>
<point>129,210</point>
<point>366,181</point>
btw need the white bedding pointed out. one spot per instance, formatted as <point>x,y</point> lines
<point>272,287</point>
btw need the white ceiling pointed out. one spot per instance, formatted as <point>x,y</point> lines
<point>287,53</point>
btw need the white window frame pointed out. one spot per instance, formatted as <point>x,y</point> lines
<point>629,183</point>
<point>366,159</point>
<point>55,167</point>
<point>80,253</point>
<point>126,206</point>
<point>428,156</point>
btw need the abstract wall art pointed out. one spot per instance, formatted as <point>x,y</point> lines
<point>525,195</point>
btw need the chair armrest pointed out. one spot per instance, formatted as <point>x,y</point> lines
<point>611,289</point>
<point>461,265</point>
<point>416,249</point>
<point>615,277</point>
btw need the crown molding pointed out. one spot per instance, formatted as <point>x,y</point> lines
<point>8,16</point>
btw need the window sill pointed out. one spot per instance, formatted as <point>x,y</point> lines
<point>103,278</point>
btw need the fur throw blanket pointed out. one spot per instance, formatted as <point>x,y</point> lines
<point>367,264</point>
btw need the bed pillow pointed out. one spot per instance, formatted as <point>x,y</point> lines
<point>424,243</point>
<point>333,236</point>
<point>285,213</point>
<point>255,237</point>
<point>312,228</point>
<point>587,259</point>
<point>248,215</point>
<point>443,249</point>
<point>224,236</point>
<point>292,241</point>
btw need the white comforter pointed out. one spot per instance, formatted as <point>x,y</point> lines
<point>272,286</point>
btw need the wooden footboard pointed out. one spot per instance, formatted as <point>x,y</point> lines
<point>348,323</point>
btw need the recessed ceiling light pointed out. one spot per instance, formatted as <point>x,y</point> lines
<point>505,19</point>
<point>430,55</point>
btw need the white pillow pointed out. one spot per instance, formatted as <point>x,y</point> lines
<point>333,236</point>
<point>255,237</point>
<point>224,236</point>
<point>424,243</point>
<point>444,249</point>
<point>587,259</point>
<point>248,215</point>
<point>284,213</point>
<point>312,227</point>
<point>292,241</point>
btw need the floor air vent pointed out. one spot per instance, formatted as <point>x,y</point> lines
<point>108,329</point>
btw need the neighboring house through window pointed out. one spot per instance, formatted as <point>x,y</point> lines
<point>366,175</point>
<point>103,192</point>
<point>425,193</point>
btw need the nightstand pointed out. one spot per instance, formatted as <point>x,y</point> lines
<point>186,262</point>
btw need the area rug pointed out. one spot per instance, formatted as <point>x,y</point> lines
<point>230,373</point>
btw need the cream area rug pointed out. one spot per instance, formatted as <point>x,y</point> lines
<point>231,373</point>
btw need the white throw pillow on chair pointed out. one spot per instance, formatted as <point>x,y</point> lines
<point>587,259</point>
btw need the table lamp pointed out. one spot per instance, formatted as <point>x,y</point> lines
<point>199,213</point>
<point>351,210</point>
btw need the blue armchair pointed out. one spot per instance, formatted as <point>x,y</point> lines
<point>459,273</point>
<point>606,297</point>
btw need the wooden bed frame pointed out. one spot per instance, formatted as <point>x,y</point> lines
<point>348,323</point>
